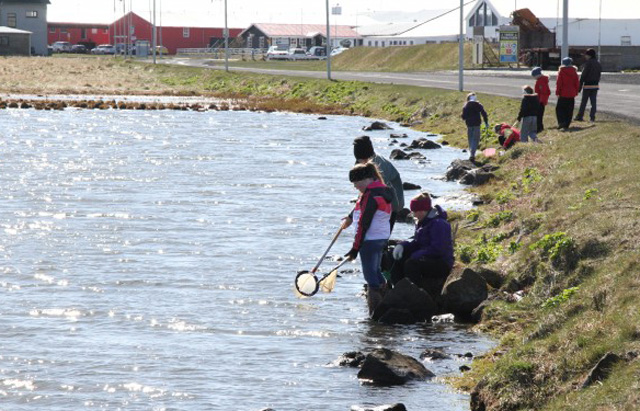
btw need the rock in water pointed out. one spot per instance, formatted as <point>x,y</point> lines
<point>386,367</point>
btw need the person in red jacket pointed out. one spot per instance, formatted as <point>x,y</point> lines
<point>507,135</point>
<point>541,88</point>
<point>567,88</point>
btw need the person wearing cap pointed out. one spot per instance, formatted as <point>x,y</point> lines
<point>363,152</point>
<point>567,86</point>
<point>541,88</point>
<point>589,85</point>
<point>471,114</point>
<point>371,219</point>
<point>427,259</point>
<point>528,115</point>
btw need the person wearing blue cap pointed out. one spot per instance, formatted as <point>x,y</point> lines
<point>567,86</point>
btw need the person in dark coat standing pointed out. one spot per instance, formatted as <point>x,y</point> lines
<point>473,113</point>
<point>567,86</point>
<point>363,152</point>
<point>541,88</point>
<point>528,115</point>
<point>589,85</point>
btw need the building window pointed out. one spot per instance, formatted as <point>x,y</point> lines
<point>63,31</point>
<point>32,14</point>
<point>12,20</point>
<point>105,31</point>
<point>261,42</point>
<point>186,32</point>
<point>625,40</point>
<point>4,40</point>
<point>83,33</point>
<point>94,31</point>
<point>52,29</point>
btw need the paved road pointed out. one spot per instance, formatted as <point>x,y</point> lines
<point>619,93</point>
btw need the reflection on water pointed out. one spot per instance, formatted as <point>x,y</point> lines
<point>149,258</point>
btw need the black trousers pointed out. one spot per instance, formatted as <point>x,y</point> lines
<point>427,273</point>
<point>541,118</point>
<point>564,111</point>
<point>590,95</point>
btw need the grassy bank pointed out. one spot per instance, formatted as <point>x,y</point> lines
<point>424,57</point>
<point>560,223</point>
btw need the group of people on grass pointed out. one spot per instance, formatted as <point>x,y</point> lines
<point>534,102</point>
<point>426,260</point>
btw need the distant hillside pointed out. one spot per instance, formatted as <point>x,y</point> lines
<point>424,57</point>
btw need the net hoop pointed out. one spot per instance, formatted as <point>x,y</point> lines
<point>307,284</point>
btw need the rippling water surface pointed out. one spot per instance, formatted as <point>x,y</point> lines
<point>148,260</point>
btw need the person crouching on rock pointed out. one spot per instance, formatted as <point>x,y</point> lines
<point>371,217</point>
<point>426,260</point>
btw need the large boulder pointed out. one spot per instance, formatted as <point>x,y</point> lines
<point>397,154</point>
<point>467,172</point>
<point>385,367</point>
<point>386,407</point>
<point>405,303</point>
<point>376,125</point>
<point>463,292</point>
<point>424,144</point>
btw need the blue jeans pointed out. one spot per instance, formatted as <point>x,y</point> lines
<point>473,136</point>
<point>371,258</point>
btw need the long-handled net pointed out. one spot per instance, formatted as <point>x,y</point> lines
<point>307,284</point>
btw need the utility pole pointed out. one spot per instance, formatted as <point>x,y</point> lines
<point>461,50</point>
<point>565,29</point>
<point>154,41</point>
<point>328,44</point>
<point>226,39</point>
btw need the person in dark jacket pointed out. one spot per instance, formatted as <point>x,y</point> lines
<point>567,86</point>
<point>363,152</point>
<point>471,114</point>
<point>426,260</point>
<point>589,85</point>
<point>371,219</point>
<point>528,115</point>
<point>543,91</point>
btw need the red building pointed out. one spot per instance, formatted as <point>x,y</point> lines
<point>78,33</point>
<point>131,27</point>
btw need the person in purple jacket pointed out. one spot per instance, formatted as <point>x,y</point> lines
<point>426,260</point>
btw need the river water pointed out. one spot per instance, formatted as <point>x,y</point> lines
<point>148,260</point>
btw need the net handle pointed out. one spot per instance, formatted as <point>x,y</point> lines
<point>335,237</point>
<point>346,260</point>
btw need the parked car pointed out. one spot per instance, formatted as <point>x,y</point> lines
<point>61,47</point>
<point>104,49</point>
<point>338,50</point>
<point>276,53</point>
<point>162,50</point>
<point>79,49</point>
<point>317,53</point>
<point>297,54</point>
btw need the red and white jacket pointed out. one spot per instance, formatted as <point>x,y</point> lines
<point>372,213</point>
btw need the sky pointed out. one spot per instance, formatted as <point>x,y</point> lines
<point>241,13</point>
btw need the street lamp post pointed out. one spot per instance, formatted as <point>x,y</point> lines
<point>565,29</point>
<point>328,43</point>
<point>154,38</point>
<point>226,39</point>
<point>461,50</point>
